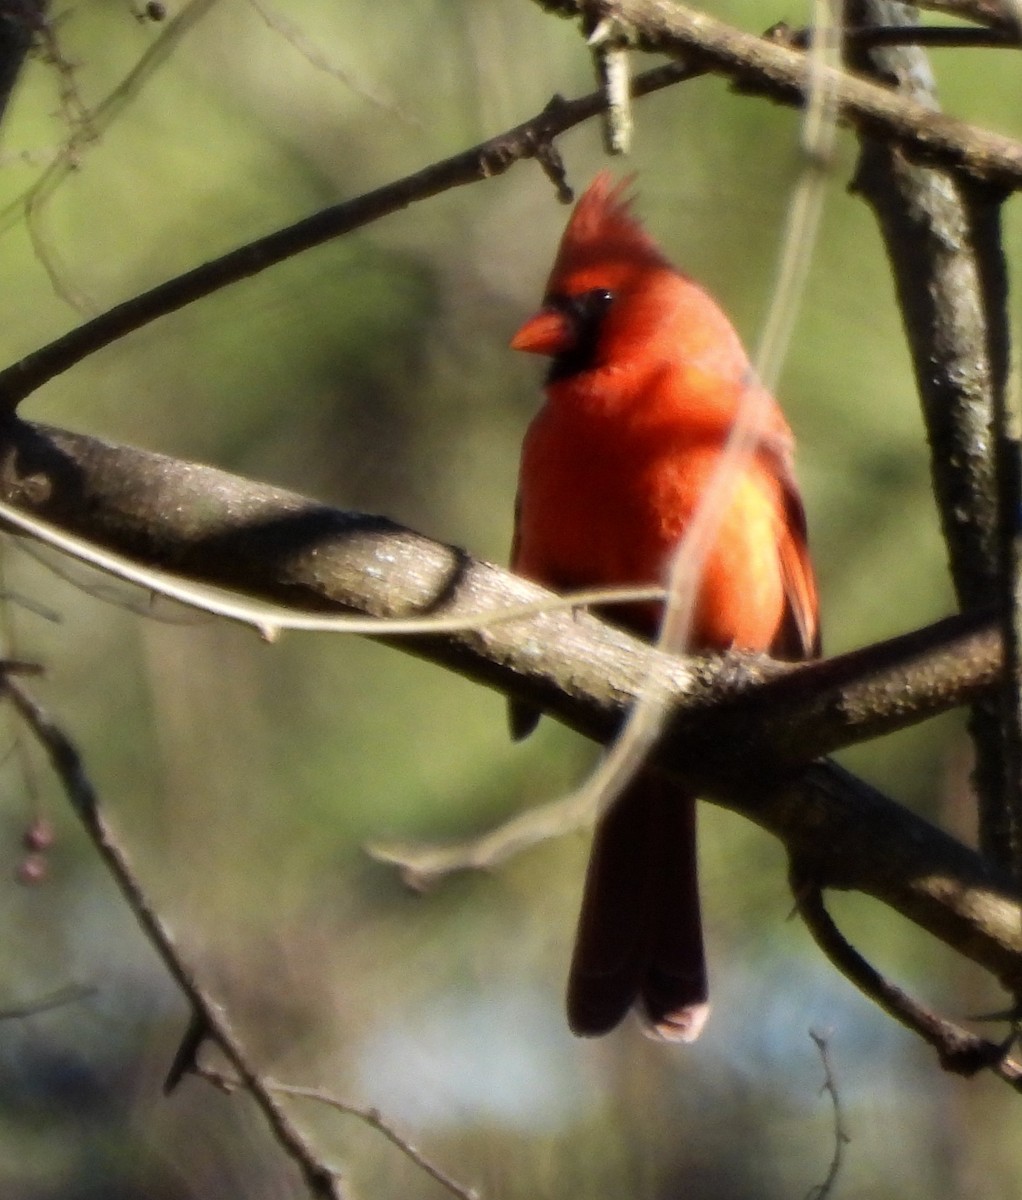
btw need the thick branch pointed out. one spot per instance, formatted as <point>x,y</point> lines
<point>276,546</point>
<point>943,238</point>
<point>761,65</point>
<point>222,530</point>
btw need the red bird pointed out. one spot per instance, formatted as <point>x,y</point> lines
<point>646,378</point>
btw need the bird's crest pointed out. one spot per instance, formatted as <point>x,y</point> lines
<point>603,232</point>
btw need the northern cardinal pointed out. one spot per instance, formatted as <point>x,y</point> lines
<point>646,377</point>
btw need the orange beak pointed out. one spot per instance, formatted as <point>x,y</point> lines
<point>548,332</point>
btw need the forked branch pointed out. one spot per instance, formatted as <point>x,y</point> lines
<point>229,532</point>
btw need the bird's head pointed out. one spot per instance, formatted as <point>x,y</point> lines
<point>606,293</point>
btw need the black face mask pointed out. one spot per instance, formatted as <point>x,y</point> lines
<point>585,313</point>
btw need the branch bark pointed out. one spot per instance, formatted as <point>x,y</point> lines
<point>942,233</point>
<point>773,69</point>
<point>740,730</point>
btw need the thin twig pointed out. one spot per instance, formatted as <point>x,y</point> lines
<point>85,128</point>
<point>765,67</point>
<point>928,37</point>
<point>422,865</point>
<point>984,12</point>
<point>271,621</point>
<point>68,157</point>
<point>368,1116</point>
<point>531,139</point>
<point>821,1191</point>
<point>322,1181</point>
<point>70,994</point>
<point>959,1051</point>
<point>320,61</point>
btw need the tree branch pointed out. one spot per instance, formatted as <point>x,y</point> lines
<point>774,69</point>
<point>531,139</point>
<point>755,63</point>
<point>959,1051</point>
<point>368,1116</point>
<point>216,528</point>
<point>321,1180</point>
<point>942,233</point>
<point>984,12</point>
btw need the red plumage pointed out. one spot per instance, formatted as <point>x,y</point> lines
<point>646,379</point>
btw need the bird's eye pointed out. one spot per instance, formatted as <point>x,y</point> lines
<point>585,312</point>
<point>586,308</point>
<point>590,306</point>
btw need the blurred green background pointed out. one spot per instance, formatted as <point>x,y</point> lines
<point>373,374</point>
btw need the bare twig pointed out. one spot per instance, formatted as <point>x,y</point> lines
<point>984,12</point>
<point>68,156</point>
<point>706,45</point>
<point>58,999</point>
<point>316,58</point>
<point>322,1181</point>
<point>73,109</point>
<point>760,65</point>
<point>423,865</point>
<point>85,127</point>
<point>841,1137</point>
<point>959,1051</point>
<point>531,139</point>
<point>368,1116</point>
